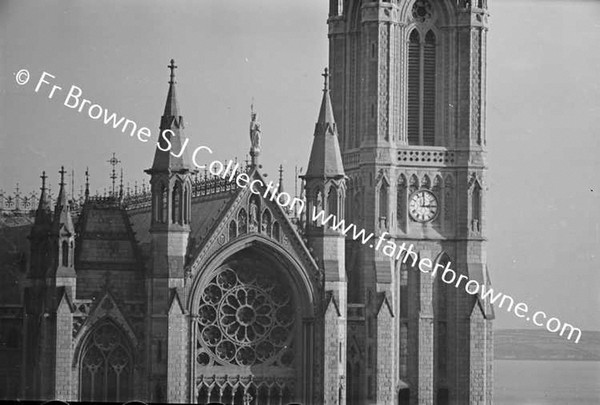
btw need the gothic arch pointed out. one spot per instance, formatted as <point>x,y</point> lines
<point>438,182</point>
<point>106,310</point>
<point>476,197</point>
<point>187,201</point>
<point>300,278</point>
<point>383,193</point>
<point>413,183</point>
<point>232,229</point>
<point>160,194</point>
<point>401,202</point>
<point>267,222</point>
<point>448,180</point>
<point>319,198</point>
<point>105,364</point>
<point>249,301</point>
<point>177,202</point>
<point>443,12</point>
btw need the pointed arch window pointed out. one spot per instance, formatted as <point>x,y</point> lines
<point>318,206</point>
<point>448,201</point>
<point>176,202</point>
<point>319,200</point>
<point>332,201</point>
<point>106,370</point>
<point>156,207</point>
<point>401,203</point>
<point>232,230</point>
<point>65,253</point>
<point>383,204</point>
<point>476,208</point>
<point>186,207</point>
<point>164,214</point>
<point>266,222</point>
<point>421,89</point>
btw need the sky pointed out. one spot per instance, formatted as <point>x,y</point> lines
<point>543,113</point>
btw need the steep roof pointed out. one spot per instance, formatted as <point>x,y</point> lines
<point>164,159</point>
<point>205,211</point>
<point>106,239</point>
<point>13,248</point>
<point>325,156</point>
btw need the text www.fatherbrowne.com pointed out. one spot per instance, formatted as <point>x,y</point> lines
<point>74,100</point>
<point>448,275</point>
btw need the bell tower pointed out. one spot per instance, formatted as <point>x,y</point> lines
<point>408,93</point>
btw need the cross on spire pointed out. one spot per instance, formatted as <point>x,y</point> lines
<point>172,67</point>
<point>114,162</point>
<point>87,183</point>
<point>62,172</point>
<point>43,177</point>
<point>325,75</point>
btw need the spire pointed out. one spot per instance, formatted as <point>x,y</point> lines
<point>280,187</point>
<point>87,184</point>
<point>121,185</point>
<point>325,157</point>
<point>43,214</point>
<point>171,127</point>
<point>61,201</point>
<point>44,204</point>
<point>62,215</point>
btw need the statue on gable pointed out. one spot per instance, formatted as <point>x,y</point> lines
<point>255,133</point>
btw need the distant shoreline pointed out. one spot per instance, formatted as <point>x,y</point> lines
<point>548,359</point>
<point>538,345</point>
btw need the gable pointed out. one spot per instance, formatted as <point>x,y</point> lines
<point>249,213</point>
<point>106,307</point>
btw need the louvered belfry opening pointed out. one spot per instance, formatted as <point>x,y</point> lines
<point>414,89</point>
<point>421,89</point>
<point>429,89</point>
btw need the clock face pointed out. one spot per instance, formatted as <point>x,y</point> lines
<point>423,206</point>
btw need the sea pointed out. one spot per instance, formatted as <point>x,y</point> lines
<point>546,382</point>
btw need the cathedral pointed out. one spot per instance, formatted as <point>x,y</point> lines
<point>196,290</point>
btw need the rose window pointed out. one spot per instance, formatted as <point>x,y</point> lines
<point>422,10</point>
<point>245,317</point>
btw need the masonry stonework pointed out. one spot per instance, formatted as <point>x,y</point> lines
<point>198,290</point>
<point>408,90</point>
